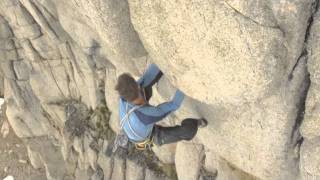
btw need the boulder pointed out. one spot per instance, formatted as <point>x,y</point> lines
<point>111,20</point>
<point>22,70</point>
<point>35,159</point>
<point>104,161</point>
<point>81,174</point>
<point>205,73</point>
<point>165,153</point>
<point>211,163</point>
<point>5,129</point>
<point>5,31</point>
<point>227,171</point>
<point>112,97</point>
<point>50,156</point>
<point>118,172</point>
<point>151,175</point>
<point>24,112</point>
<point>187,154</point>
<point>310,126</point>
<point>134,171</point>
<point>309,159</point>
<point>98,174</point>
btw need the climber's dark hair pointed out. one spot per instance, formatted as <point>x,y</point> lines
<point>127,87</point>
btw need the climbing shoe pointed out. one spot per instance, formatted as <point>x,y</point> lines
<point>202,123</point>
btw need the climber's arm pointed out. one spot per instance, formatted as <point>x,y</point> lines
<point>151,76</point>
<point>152,114</point>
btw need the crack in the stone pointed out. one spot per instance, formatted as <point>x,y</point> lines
<point>46,10</point>
<point>302,102</point>
<point>295,134</point>
<point>42,21</point>
<point>111,168</point>
<point>54,78</point>
<point>252,20</point>
<point>296,137</point>
<point>41,61</point>
<point>303,54</point>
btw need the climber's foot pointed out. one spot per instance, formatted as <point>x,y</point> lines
<point>202,122</point>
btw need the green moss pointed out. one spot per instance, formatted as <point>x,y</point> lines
<point>102,114</point>
<point>170,171</point>
<point>143,158</point>
<point>148,159</point>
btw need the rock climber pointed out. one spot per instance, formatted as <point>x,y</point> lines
<point>138,118</point>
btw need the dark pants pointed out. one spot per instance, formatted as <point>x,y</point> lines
<point>166,135</point>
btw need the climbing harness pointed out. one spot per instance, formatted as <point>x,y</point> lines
<point>122,139</point>
<point>147,144</point>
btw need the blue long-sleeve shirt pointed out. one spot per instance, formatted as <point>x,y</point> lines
<point>140,123</point>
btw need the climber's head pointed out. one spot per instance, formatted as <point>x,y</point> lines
<point>129,89</point>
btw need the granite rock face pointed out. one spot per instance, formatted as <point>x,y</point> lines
<point>310,126</point>
<point>251,68</point>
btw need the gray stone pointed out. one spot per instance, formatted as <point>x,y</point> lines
<point>165,153</point>
<point>54,81</point>
<point>310,127</point>
<point>35,159</point>
<point>71,159</point>
<point>211,163</point>
<point>7,44</point>
<point>38,17</point>
<point>112,97</point>
<point>134,171</point>
<point>56,112</point>
<point>151,175</point>
<point>50,156</point>
<point>22,16</point>
<point>105,161</point>
<point>81,174</point>
<point>5,31</point>
<point>78,147</point>
<point>187,154</point>
<point>91,154</point>
<point>84,75</point>
<point>23,110</point>
<point>31,31</point>
<point>22,70</point>
<point>8,3</point>
<point>292,18</point>
<point>228,172</point>
<point>118,172</point>
<point>29,52</point>
<point>10,55</point>
<point>111,20</point>
<point>309,159</point>
<point>45,45</point>
<point>8,70</point>
<point>228,43</point>
<point>98,174</point>
<point>5,129</point>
